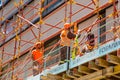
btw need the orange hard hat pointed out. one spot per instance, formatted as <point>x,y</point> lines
<point>67,25</point>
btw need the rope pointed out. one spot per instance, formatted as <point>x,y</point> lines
<point>65,17</point>
<point>40,11</point>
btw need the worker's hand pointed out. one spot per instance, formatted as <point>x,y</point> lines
<point>79,33</point>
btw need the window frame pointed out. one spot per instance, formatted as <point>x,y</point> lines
<point>102,27</point>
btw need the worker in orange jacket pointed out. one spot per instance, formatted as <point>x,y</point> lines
<point>37,56</point>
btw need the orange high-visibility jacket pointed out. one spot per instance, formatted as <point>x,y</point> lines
<point>37,56</point>
<point>65,41</point>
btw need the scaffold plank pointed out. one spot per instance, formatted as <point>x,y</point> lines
<point>85,70</point>
<point>116,76</point>
<point>70,74</point>
<point>118,52</point>
<point>51,77</point>
<point>101,62</point>
<point>113,59</point>
<point>93,66</point>
<point>44,77</point>
<point>100,74</point>
<point>117,69</point>
<point>76,73</point>
<point>65,77</point>
<point>93,76</point>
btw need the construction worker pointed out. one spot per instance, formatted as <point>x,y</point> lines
<point>90,43</point>
<point>66,37</point>
<point>37,56</point>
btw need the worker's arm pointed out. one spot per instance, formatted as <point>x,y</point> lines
<point>71,35</point>
<point>62,34</point>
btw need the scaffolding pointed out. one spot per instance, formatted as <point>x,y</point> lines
<point>14,60</point>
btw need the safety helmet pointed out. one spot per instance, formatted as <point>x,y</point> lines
<point>39,43</point>
<point>67,25</point>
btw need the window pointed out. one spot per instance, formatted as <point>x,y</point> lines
<point>9,28</point>
<point>55,52</point>
<point>102,29</point>
<point>51,7</point>
<point>0,3</point>
<point>51,42</point>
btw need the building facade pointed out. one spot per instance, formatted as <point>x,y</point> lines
<point>25,22</point>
